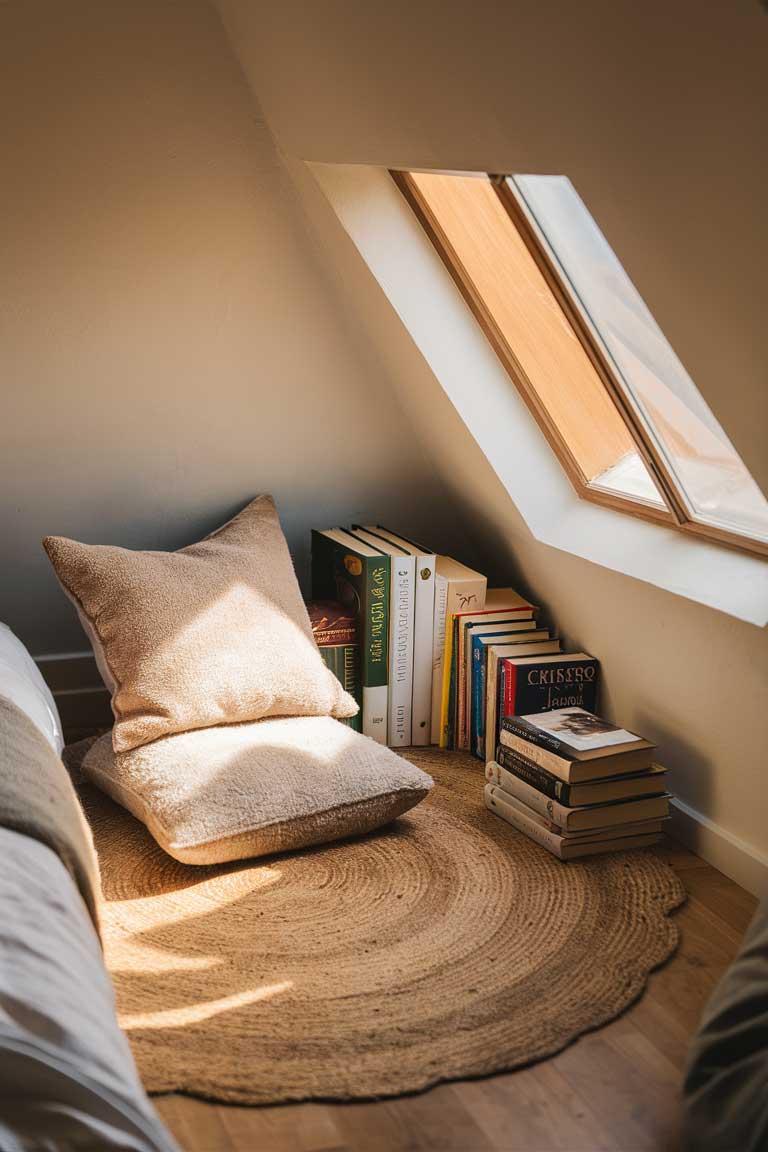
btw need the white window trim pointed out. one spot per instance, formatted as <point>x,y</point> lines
<point>396,249</point>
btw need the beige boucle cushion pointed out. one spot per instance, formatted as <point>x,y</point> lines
<point>216,633</point>
<point>252,789</point>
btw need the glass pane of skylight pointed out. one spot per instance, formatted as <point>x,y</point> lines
<point>712,476</point>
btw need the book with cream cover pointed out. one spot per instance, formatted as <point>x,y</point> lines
<point>576,745</point>
<point>523,818</point>
<point>457,589</point>
<point>650,782</point>
<point>629,811</point>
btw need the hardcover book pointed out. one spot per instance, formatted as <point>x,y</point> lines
<point>332,623</point>
<point>571,820</point>
<point>457,589</point>
<point>344,661</point>
<point>423,623</point>
<point>523,818</point>
<point>649,783</point>
<point>480,640</point>
<point>500,603</point>
<point>350,571</point>
<point>494,695</point>
<point>576,745</point>
<point>565,682</point>
<point>402,598</point>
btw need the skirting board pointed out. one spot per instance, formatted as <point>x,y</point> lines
<point>724,851</point>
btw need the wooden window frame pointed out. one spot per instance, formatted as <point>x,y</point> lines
<point>676,515</point>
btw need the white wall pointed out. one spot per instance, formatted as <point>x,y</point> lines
<point>169,342</point>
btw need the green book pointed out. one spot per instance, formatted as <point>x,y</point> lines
<point>343,660</point>
<point>350,571</point>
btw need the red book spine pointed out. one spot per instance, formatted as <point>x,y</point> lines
<point>509,682</point>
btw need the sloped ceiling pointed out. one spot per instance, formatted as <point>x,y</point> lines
<point>654,110</point>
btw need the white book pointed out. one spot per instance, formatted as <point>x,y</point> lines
<point>527,821</point>
<point>402,600</point>
<point>423,625</point>
<point>438,655</point>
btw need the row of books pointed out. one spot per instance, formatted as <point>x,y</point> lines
<point>440,658</point>
<point>500,661</point>
<point>576,783</point>
<point>401,596</point>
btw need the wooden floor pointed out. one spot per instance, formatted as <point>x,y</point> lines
<point>615,1089</point>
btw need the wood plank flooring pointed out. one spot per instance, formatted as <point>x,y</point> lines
<point>614,1090</point>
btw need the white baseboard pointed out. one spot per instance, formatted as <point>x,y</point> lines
<point>720,848</point>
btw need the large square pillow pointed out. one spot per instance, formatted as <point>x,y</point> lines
<point>216,633</point>
<point>244,790</point>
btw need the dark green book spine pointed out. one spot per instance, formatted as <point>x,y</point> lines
<point>344,661</point>
<point>534,775</point>
<point>362,584</point>
<point>376,620</point>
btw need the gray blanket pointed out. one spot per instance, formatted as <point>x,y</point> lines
<point>38,799</point>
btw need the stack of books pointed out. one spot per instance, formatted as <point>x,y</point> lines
<point>576,783</point>
<point>335,631</point>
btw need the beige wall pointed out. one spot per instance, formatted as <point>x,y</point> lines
<point>655,110</point>
<point>169,343</point>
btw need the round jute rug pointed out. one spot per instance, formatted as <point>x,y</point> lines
<point>446,945</point>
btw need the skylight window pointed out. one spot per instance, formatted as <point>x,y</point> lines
<point>618,407</point>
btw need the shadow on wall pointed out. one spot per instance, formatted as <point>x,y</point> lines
<point>689,771</point>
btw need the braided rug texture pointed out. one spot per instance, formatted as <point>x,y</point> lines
<point>447,945</point>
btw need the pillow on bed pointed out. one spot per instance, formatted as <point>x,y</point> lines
<point>216,633</point>
<point>22,682</point>
<point>253,789</point>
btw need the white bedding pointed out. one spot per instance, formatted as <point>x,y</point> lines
<point>22,682</point>
<point>67,1077</point>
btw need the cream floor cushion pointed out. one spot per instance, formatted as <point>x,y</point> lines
<point>216,633</point>
<point>236,791</point>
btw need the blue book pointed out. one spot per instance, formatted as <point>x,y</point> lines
<point>479,640</point>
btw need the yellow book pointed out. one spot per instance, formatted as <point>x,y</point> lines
<point>495,601</point>
<point>457,589</point>
<point>445,699</point>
